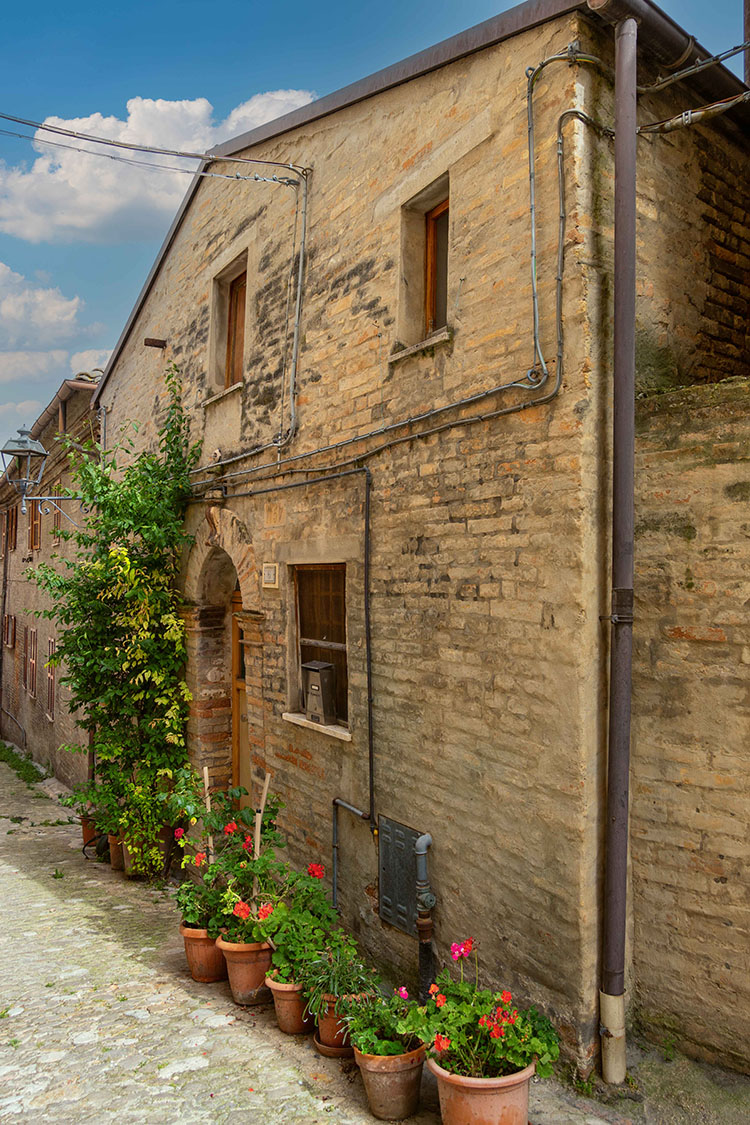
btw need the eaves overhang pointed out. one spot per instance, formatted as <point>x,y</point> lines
<point>665,40</point>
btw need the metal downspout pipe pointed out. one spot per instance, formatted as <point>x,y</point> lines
<point>612,994</point>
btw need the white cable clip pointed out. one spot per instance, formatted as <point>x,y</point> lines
<point>686,118</point>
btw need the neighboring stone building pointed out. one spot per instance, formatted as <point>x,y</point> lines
<point>35,712</point>
<point>396,489</point>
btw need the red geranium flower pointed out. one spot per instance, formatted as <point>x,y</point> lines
<point>265,910</point>
<point>439,1000</point>
<point>442,1042</point>
<point>317,870</point>
<point>179,833</point>
<point>200,858</point>
<point>248,843</point>
<point>506,997</point>
<point>433,989</point>
<point>241,909</point>
<point>230,828</point>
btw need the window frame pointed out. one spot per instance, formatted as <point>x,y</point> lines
<point>234,366</point>
<point>31,656</point>
<point>51,649</point>
<point>342,689</point>
<point>433,264</point>
<point>9,630</point>
<point>35,525</point>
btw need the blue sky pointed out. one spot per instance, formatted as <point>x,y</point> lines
<point>78,235</point>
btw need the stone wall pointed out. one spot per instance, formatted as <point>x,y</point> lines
<point>27,720</point>
<point>489,539</point>
<point>691,758</point>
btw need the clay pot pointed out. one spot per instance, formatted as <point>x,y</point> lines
<point>88,830</point>
<point>247,965</point>
<point>332,1031</point>
<point>392,1083</point>
<point>483,1101</point>
<point>115,852</point>
<point>289,1002</point>
<point>205,961</point>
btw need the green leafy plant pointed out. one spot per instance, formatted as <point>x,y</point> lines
<point>121,640</point>
<point>335,970</point>
<point>478,1033</point>
<point>374,1022</point>
<point>299,924</point>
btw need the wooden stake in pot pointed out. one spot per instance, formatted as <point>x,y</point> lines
<point>207,798</point>
<point>258,824</point>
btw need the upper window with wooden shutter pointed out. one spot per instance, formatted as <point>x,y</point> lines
<point>35,525</point>
<point>236,330</point>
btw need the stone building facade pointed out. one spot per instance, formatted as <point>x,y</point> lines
<point>402,489</point>
<point>35,714</point>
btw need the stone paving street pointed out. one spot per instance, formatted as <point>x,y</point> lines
<point>101,1022</point>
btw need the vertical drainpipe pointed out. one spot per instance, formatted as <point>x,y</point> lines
<point>612,994</point>
<point>745,40</point>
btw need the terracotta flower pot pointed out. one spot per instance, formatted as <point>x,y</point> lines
<point>332,1031</point>
<point>88,830</point>
<point>289,1002</point>
<point>483,1101</point>
<point>247,965</point>
<point>205,961</point>
<point>392,1083</point>
<point>115,852</point>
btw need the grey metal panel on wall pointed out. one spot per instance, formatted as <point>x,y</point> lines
<point>398,874</point>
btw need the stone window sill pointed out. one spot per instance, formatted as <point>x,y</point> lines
<point>299,720</point>
<point>235,387</point>
<point>443,336</point>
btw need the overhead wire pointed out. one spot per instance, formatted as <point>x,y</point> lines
<point>206,157</point>
<point>288,181</point>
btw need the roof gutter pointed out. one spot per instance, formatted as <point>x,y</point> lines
<point>67,389</point>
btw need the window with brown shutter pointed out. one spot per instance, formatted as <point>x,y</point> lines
<point>12,528</point>
<point>50,679</point>
<point>35,525</point>
<point>56,514</point>
<point>236,330</point>
<point>321,620</point>
<point>25,663</point>
<point>9,630</point>
<point>31,674</point>
<point>436,267</point>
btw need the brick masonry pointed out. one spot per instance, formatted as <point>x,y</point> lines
<point>691,777</point>
<point>489,541</point>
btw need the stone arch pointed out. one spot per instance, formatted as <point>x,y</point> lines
<point>221,531</point>
<point>220,559</point>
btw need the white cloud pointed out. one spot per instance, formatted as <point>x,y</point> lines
<point>34,315</point>
<point>31,366</point>
<point>65,196</point>
<point>88,360</point>
<point>25,412</point>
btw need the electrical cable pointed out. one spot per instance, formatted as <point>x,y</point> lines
<point>695,68</point>
<point>150,165</point>
<point>205,157</point>
<point>693,116</point>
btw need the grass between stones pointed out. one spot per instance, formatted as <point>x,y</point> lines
<point>24,767</point>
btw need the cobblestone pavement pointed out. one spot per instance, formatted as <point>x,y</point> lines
<point>101,1022</point>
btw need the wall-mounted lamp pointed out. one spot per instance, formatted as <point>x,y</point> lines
<point>24,459</point>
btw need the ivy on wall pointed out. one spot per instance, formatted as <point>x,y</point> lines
<point>121,639</point>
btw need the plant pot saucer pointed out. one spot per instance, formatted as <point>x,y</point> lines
<point>332,1052</point>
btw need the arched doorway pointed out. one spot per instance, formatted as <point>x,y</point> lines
<point>224,673</point>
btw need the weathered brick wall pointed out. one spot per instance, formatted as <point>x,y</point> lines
<point>489,543</point>
<point>484,596</point>
<point>45,737</point>
<point>691,757</point>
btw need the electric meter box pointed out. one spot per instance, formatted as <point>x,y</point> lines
<point>319,691</point>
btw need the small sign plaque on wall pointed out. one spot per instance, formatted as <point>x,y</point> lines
<point>270,576</point>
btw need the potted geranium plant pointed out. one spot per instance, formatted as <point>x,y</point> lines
<point>298,925</point>
<point>389,1058</point>
<point>200,899</point>
<point>482,1049</point>
<point>331,974</point>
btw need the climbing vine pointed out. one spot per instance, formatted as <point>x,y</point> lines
<point>121,639</point>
